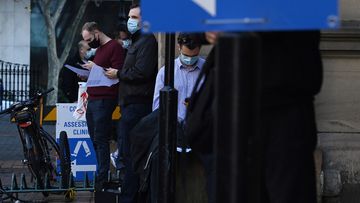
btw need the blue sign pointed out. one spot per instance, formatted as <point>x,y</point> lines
<point>238,15</point>
<point>83,158</point>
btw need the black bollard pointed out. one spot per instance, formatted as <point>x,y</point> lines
<point>167,127</point>
<point>1,94</point>
<point>237,141</point>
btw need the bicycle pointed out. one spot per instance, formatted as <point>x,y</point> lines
<point>40,148</point>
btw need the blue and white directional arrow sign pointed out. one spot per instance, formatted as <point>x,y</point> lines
<point>242,15</point>
<point>208,5</point>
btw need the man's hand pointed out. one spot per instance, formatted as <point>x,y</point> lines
<point>212,37</point>
<point>111,73</point>
<point>88,65</point>
<point>82,77</point>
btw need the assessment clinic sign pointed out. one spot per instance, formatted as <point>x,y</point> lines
<point>83,158</point>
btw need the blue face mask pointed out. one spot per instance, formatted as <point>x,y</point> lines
<point>126,43</point>
<point>133,25</point>
<point>90,53</point>
<point>187,60</point>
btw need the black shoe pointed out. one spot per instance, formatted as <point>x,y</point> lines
<point>99,185</point>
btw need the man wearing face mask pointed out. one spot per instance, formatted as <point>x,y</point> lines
<point>123,37</point>
<point>68,80</point>
<point>187,68</point>
<point>137,80</point>
<point>102,100</point>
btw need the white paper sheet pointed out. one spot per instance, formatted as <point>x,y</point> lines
<point>78,71</point>
<point>98,78</point>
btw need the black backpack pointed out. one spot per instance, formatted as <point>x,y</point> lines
<point>144,141</point>
<point>144,149</point>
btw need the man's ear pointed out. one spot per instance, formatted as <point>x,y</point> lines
<point>96,33</point>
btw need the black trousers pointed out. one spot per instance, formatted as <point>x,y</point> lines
<point>98,117</point>
<point>130,115</point>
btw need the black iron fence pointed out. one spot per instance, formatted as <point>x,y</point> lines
<point>14,83</point>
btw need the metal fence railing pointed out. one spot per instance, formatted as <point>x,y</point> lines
<point>14,83</point>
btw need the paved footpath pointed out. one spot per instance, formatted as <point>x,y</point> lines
<point>11,155</point>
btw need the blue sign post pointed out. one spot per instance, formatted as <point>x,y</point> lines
<point>232,15</point>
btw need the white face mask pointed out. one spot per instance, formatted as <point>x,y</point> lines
<point>90,53</point>
<point>133,25</point>
<point>126,43</point>
<point>187,60</point>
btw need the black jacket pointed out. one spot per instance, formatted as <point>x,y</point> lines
<point>291,72</point>
<point>68,81</point>
<point>138,75</point>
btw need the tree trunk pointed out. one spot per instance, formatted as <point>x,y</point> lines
<point>53,65</point>
<point>54,61</point>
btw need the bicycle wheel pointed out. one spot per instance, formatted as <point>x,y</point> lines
<point>52,153</point>
<point>65,161</point>
<point>34,155</point>
<point>58,151</point>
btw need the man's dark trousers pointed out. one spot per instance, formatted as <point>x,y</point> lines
<point>99,119</point>
<point>131,114</point>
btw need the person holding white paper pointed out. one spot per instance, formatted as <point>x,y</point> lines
<point>68,79</point>
<point>102,98</point>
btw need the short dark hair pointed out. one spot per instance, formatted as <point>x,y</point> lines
<point>90,26</point>
<point>134,6</point>
<point>190,40</point>
<point>120,28</point>
<point>81,44</point>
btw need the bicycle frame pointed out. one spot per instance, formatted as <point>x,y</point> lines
<point>38,144</point>
<point>30,134</point>
<point>37,133</point>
